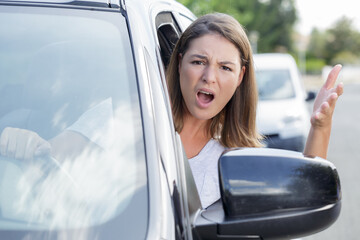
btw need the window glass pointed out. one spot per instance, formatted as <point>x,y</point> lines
<point>72,158</point>
<point>274,84</point>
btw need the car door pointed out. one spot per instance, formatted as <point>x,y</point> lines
<point>168,202</point>
<point>169,25</point>
<point>167,29</point>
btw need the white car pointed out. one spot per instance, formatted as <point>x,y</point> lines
<point>283,117</point>
<point>94,71</point>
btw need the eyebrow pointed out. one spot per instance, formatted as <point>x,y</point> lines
<point>204,57</point>
<point>227,63</point>
<point>199,56</point>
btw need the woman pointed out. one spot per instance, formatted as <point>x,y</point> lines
<point>213,92</point>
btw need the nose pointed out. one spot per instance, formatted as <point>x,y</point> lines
<point>209,74</point>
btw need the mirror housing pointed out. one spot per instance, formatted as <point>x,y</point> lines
<point>310,96</point>
<point>271,194</point>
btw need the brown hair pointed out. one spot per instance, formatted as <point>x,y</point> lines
<point>234,125</point>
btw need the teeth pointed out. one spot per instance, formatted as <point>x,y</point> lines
<point>207,93</point>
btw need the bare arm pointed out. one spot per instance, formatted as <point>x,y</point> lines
<point>321,118</point>
<point>70,144</point>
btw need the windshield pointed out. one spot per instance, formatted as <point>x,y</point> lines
<point>274,84</point>
<point>72,162</point>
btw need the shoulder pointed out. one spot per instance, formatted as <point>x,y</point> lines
<point>211,151</point>
<point>215,146</point>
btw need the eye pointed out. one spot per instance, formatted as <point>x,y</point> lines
<point>197,62</point>
<point>226,68</point>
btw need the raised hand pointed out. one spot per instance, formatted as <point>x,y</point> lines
<point>325,101</point>
<point>22,144</point>
<point>321,118</point>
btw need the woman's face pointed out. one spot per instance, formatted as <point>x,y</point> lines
<point>210,72</point>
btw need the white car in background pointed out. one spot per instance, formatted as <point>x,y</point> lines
<point>283,117</point>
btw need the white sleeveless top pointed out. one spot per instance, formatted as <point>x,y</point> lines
<point>204,167</point>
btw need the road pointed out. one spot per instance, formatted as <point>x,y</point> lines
<point>344,152</point>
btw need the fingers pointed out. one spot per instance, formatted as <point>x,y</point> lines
<point>332,99</point>
<point>22,144</point>
<point>19,148</point>
<point>334,94</point>
<point>324,111</point>
<point>4,139</point>
<point>326,99</point>
<point>11,147</point>
<point>31,144</point>
<point>327,108</point>
<point>330,82</point>
<point>8,142</point>
<point>340,89</point>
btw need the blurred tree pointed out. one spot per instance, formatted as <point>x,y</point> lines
<point>242,10</point>
<point>341,38</point>
<point>316,46</point>
<point>315,52</point>
<point>345,58</point>
<point>272,20</point>
<point>338,44</point>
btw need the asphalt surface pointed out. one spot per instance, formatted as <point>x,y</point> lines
<point>344,152</point>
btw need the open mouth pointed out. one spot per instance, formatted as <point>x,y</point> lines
<point>205,97</point>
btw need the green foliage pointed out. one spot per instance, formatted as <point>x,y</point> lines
<point>346,58</point>
<point>273,20</point>
<point>316,46</point>
<point>314,65</point>
<point>342,37</point>
<point>239,9</point>
<point>339,44</point>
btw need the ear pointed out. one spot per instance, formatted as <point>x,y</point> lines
<point>241,75</point>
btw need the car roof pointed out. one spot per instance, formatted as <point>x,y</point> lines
<point>95,3</point>
<point>92,3</point>
<point>274,61</point>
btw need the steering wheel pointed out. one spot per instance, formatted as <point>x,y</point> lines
<point>24,185</point>
<point>21,179</point>
<point>46,164</point>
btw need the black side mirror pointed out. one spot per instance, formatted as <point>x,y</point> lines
<point>271,194</point>
<point>310,96</point>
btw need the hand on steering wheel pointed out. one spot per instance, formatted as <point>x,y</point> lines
<point>23,144</point>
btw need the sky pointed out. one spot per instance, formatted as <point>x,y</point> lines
<point>324,13</point>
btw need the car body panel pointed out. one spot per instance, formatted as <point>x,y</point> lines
<point>152,77</point>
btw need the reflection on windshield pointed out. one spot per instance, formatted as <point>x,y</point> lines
<point>274,84</point>
<point>86,190</point>
<point>70,124</point>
